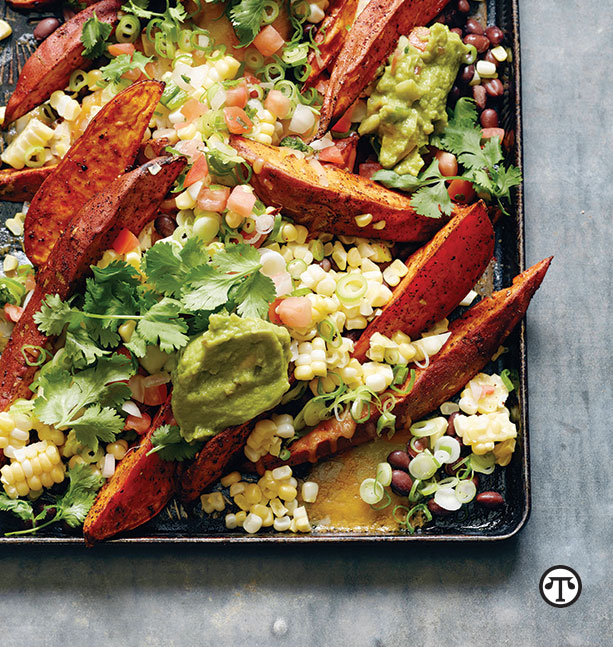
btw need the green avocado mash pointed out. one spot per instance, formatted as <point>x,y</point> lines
<point>231,373</point>
<point>409,100</point>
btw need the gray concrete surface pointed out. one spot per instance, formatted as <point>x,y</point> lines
<point>389,596</point>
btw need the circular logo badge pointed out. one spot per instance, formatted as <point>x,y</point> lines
<point>560,586</point>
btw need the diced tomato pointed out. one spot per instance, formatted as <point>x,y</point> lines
<point>122,350</point>
<point>333,155</point>
<point>488,133</point>
<point>121,48</point>
<point>193,109</point>
<point>278,104</point>
<point>237,96</point>
<point>272,312</point>
<point>296,312</point>
<point>348,146</point>
<point>395,59</point>
<point>139,425</point>
<point>241,201</point>
<point>419,38</point>
<point>368,169</point>
<point>251,78</point>
<point>343,124</point>
<point>155,394</point>
<point>197,172</point>
<point>125,242</point>
<point>213,199</point>
<point>268,41</point>
<point>461,191</point>
<point>181,124</point>
<point>12,312</point>
<point>237,121</point>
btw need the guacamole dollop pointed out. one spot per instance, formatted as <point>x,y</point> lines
<point>408,103</point>
<point>231,373</point>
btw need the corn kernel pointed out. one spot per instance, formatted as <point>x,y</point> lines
<point>253,493</point>
<point>287,492</point>
<point>240,517</point>
<point>363,220</point>
<point>310,489</point>
<point>252,524</point>
<point>230,479</point>
<point>231,522</point>
<point>281,524</point>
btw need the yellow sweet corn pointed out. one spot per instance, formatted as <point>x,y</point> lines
<point>33,467</point>
<point>483,394</point>
<point>481,432</point>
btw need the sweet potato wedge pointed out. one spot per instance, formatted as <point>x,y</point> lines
<point>55,59</point>
<point>105,150</point>
<point>330,37</point>
<point>371,38</point>
<point>140,487</point>
<point>327,198</point>
<point>19,185</point>
<point>441,273</point>
<point>131,201</point>
<point>475,337</point>
<point>212,461</point>
<point>29,4</point>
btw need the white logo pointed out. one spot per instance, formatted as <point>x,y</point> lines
<point>560,586</point>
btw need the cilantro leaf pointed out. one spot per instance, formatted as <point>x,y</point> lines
<point>431,201</point>
<point>171,446</point>
<point>81,348</point>
<point>20,508</point>
<point>167,267</point>
<point>54,315</point>
<point>246,18</point>
<point>94,36</point>
<point>239,259</point>
<point>255,294</point>
<point>393,180</point>
<point>97,424</point>
<point>296,143</point>
<point>162,325</point>
<point>207,289</point>
<point>125,63</point>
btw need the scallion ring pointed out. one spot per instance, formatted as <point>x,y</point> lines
<point>414,495</point>
<point>287,89</point>
<point>465,491</point>
<point>273,72</point>
<point>505,376</point>
<point>35,157</point>
<point>78,81</point>
<point>253,59</point>
<point>127,29</point>
<point>429,427</point>
<point>185,40</point>
<point>423,466</point>
<point>303,72</point>
<point>41,354</point>
<point>296,55</point>
<point>371,491</point>
<point>351,288</point>
<point>470,56</point>
<point>284,454</point>
<point>329,332</point>
<point>270,12</point>
<point>296,267</point>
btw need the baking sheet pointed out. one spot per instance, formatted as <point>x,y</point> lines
<point>177,523</point>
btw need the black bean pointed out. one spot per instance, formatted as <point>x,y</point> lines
<point>490,500</point>
<point>480,42</point>
<point>489,118</point>
<point>399,460</point>
<point>401,483</point>
<point>495,35</point>
<point>454,94</point>
<point>165,225</point>
<point>45,28</point>
<point>493,87</point>
<point>474,27</point>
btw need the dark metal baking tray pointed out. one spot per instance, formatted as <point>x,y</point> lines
<point>180,525</point>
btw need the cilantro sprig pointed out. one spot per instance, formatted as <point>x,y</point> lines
<point>483,166</point>
<point>171,446</point>
<point>94,36</point>
<point>246,17</point>
<point>71,507</point>
<point>119,65</point>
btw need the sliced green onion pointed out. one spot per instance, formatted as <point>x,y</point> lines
<point>35,157</point>
<point>414,495</point>
<point>329,332</point>
<point>483,464</point>
<point>449,445</point>
<point>296,268</point>
<point>303,72</point>
<point>357,409</point>
<point>430,427</point>
<point>310,96</point>
<point>128,29</point>
<point>273,72</point>
<point>270,11</point>
<point>470,56</point>
<point>388,502</point>
<point>253,59</point>
<point>195,38</point>
<point>284,454</point>
<point>371,492</point>
<point>14,291</point>
<point>465,491</point>
<point>400,373</point>
<point>384,473</point>
<point>447,499</point>
<point>163,47</point>
<point>185,40</point>
<point>429,488</point>
<point>295,392</point>
<point>296,54</point>
<point>301,292</point>
<point>505,376</point>
<point>450,481</point>
<point>351,287</point>
<point>40,358</point>
<point>409,385</point>
<point>413,444</point>
<point>423,466</point>
<point>78,81</point>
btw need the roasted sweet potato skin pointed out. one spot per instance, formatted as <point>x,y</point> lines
<point>140,487</point>
<point>55,59</point>
<point>131,201</point>
<point>21,185</point>
<point>440,274</point>
<point>212,461</point>
<point>105,150</point>
<point>371,38</point>
<point>292,183</point>
<point>330,37</point>
<point>475,337</point>
<point>28,4</point>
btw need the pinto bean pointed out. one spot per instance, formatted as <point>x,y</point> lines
<point>493,87</point>
<point>479,41</point>
<point>489,118</point>
<point>401,483</point>
<point>495,35</point>
<point>45,28</point>
<point>490,500</point>
<point>399,460</point>
<point>480,96</point>
<point>474,27</point>
<point>466,73</point>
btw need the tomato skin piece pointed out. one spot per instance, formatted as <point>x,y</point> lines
<point>344,123</point>
<point>125,242</point>
<point>488,133</point>
<point>296,312</point>
<point>461,191</point>
<point>277,103</point>
<point>272,311</point>
<point>333,155</point>
<point>198,171</point>
<point>155,395</point>
<point>237,121</point>
<point>192,109</point>
<point>268,41</point>
<point>213,199</point>
<point>139,425</point>
<point>117,49</point>
<point>419,38</point>
<point>237,96</point>
<point>241,201</point>
<point>12,312</point>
